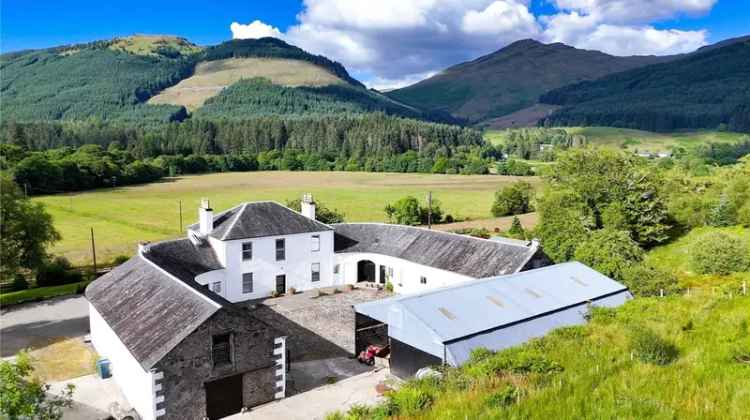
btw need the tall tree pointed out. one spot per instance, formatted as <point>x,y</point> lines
<point>26,230</point>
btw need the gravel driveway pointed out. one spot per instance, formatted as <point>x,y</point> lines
<point>37,324</point>
<point>317,327</point>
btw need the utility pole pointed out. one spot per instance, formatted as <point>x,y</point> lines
<point>180,215</point>
<point>93,250</point>
<point>429,210</point>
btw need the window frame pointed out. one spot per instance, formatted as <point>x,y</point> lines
<point>422,280</point>
<point>281,250</point>
<point>315,273</point>
<point>222,362</point>
<point>216,287</point>
<point>248,250</point>
<point>252,282</point>
<point>336,268</point>
<point>315,245</point>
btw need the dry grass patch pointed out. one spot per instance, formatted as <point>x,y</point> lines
<point>211,77</point>
<point>528,220</point>
<point>63,359</point>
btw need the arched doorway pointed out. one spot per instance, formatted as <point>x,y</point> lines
<point>366,271</point>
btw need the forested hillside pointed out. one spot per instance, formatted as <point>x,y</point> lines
<point>273,48</point>
<point>89,81</point>
<point>708,89</point>
<point>511,79</point>
<point>258,96</point>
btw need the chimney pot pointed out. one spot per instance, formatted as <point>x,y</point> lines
<point>205,217</point>
<point>308,206</point>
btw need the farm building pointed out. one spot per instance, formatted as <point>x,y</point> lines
<point>443,326</point>
<point>180,347</point>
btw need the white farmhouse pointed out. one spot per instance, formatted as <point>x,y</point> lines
<point>181,346</point>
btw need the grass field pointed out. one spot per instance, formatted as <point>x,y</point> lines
<point>122,217</point>
<point>596,371</point>
<point>636,139</point>
<point>212,76</point>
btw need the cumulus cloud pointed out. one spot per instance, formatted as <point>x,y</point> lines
<point>394,42</point>
<point>256,29</point>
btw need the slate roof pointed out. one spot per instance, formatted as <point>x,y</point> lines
<point>459,311</point>
<point>473,257</point>
<point>259,219</point>
<point>153,309</point>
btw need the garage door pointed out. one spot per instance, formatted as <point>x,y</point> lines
<point>224,397</point>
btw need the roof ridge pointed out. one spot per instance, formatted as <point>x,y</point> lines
<point>234,221</point>
<point>435,231</point>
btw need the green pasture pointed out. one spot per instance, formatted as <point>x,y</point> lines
<point>122,217</point>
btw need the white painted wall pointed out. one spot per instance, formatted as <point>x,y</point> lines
<point>297,266</point>
<point>135,382</point>
<point>406,274</point>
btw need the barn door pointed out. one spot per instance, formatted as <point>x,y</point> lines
<point>224,397</point>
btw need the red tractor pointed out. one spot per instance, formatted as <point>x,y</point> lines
<point>368,355</point>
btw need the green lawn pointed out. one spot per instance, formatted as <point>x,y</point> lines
<point>122,217</point>
<point>39,293</point>
<point>636,139</point>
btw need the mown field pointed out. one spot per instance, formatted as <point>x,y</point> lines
<point>636,139</point>
<point>122,217</point>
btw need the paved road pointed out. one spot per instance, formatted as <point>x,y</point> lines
<point>36,324</point>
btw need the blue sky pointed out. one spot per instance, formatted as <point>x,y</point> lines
<point>388,42</point>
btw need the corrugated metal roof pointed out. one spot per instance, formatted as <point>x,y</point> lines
<point>476,306</point>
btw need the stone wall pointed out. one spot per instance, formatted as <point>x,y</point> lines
<point>189,365</point>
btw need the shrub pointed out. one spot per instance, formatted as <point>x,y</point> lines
<point>647,280</point>
<point>475,232</point>
<point>649,347</point>
<point>516,229</point>
<point>120,259</point>
<point>411,399</point>
<point>719,253</point>
<point>504,397</point>
<point>56,273</point>
<point>389,286</point>
<point>19,283</point>
<point>611,252</point>
<point>513,199</point>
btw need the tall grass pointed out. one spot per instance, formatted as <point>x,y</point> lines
<point>693,362</point>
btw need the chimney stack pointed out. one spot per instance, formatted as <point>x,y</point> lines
<point>206,217</point>
<point>308,206</point>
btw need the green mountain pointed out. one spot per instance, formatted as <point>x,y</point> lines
<point>707,89</point>
<point>151,79</point>
<point>511,79</point>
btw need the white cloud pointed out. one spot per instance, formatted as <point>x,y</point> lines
<point>388,84</point>
<point>623,40</point>
<point>256,29</point>
<point>636,11</point>
<point>398,41</point>
<point>500,17</point>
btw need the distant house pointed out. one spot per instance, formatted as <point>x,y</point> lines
<point>443,326</point>
<point>180,347</point>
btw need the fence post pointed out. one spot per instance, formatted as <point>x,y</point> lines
<point>744,288</point>
<point>661,292</point>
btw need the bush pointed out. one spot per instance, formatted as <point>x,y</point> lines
<point>719,253</point>
<point>649,347</point>
<point>120,259</point>
<point>389,286</point>
<point>56,273</point>
<point>611,252</point>
<point>504,397</point>
<point>475,232</point>
<point>513,199</point>
<point>19,283</point>
<point>647,280</point>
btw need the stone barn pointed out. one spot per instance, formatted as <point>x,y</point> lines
<point>178,350</point>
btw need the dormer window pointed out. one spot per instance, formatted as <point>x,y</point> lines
<point>280,250</point>
<point>247,251</point>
